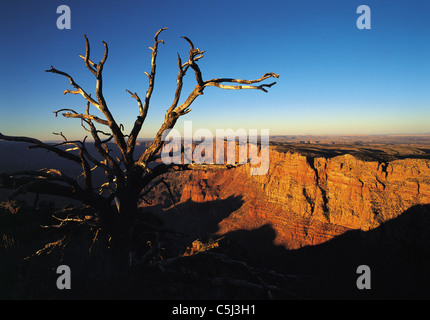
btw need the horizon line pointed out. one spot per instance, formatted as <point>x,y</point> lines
<point>289,135</point>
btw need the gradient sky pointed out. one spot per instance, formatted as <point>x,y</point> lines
<point>335,78</point>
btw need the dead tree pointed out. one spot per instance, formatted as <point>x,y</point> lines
<point>128,176</point>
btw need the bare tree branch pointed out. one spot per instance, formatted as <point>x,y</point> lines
<point>179,83</point>
<point>90,65</point>
<point>55,189</point>
<point>78,90</point>
<point>46,173</point>
<point>264,77</point>
<point>112,167</point>
<point>116,131</point>
<point>86,169</point>
<point>192,61</point>
<point>144,109</point>
<point>153,185</point>
<point>40,144</point>
<point>218,82</point>
<point>175,111</point>
<point>238,87</point>
<point>165,168</point>
<point>60,134</point>
<point>73,114</point>
<point>131,143</point>
<point>101,102</point>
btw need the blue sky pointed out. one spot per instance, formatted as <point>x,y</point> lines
<point>335,78</point>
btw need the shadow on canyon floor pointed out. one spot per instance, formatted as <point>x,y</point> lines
<point>397,253</point>
<point>195,220</point>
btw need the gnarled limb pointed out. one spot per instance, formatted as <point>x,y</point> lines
<point>193,53</point>
<point>131,143</point>
<point>78,90</point>
<point>101,102</point>
<point>218,82</point>
<point>73,114</point>
<point>90,65</point>
<point>175,111</point>
<point>39,144</point>
<point>42,174</point>
<point>143,109</point>
<point>165,168</point>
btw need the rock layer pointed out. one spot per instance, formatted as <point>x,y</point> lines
<point>310,200</point>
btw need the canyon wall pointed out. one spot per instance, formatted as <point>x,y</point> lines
<point>344,190</point>
<point>310,200</point>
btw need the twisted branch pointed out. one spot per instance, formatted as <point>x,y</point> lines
<point>39,144</point>
<point>143,109</point>
<point>78,90</point>
<point>73,114</point>
<point>175,111</point>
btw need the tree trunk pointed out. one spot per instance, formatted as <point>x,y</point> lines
<point>123,227</point>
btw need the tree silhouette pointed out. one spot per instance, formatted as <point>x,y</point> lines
<point>127,176</point>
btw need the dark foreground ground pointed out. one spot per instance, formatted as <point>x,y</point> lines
<point>242,265</point>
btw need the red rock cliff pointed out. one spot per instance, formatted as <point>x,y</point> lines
<point>310,200</point>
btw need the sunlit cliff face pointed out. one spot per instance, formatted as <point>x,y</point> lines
<point>305,200</point>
